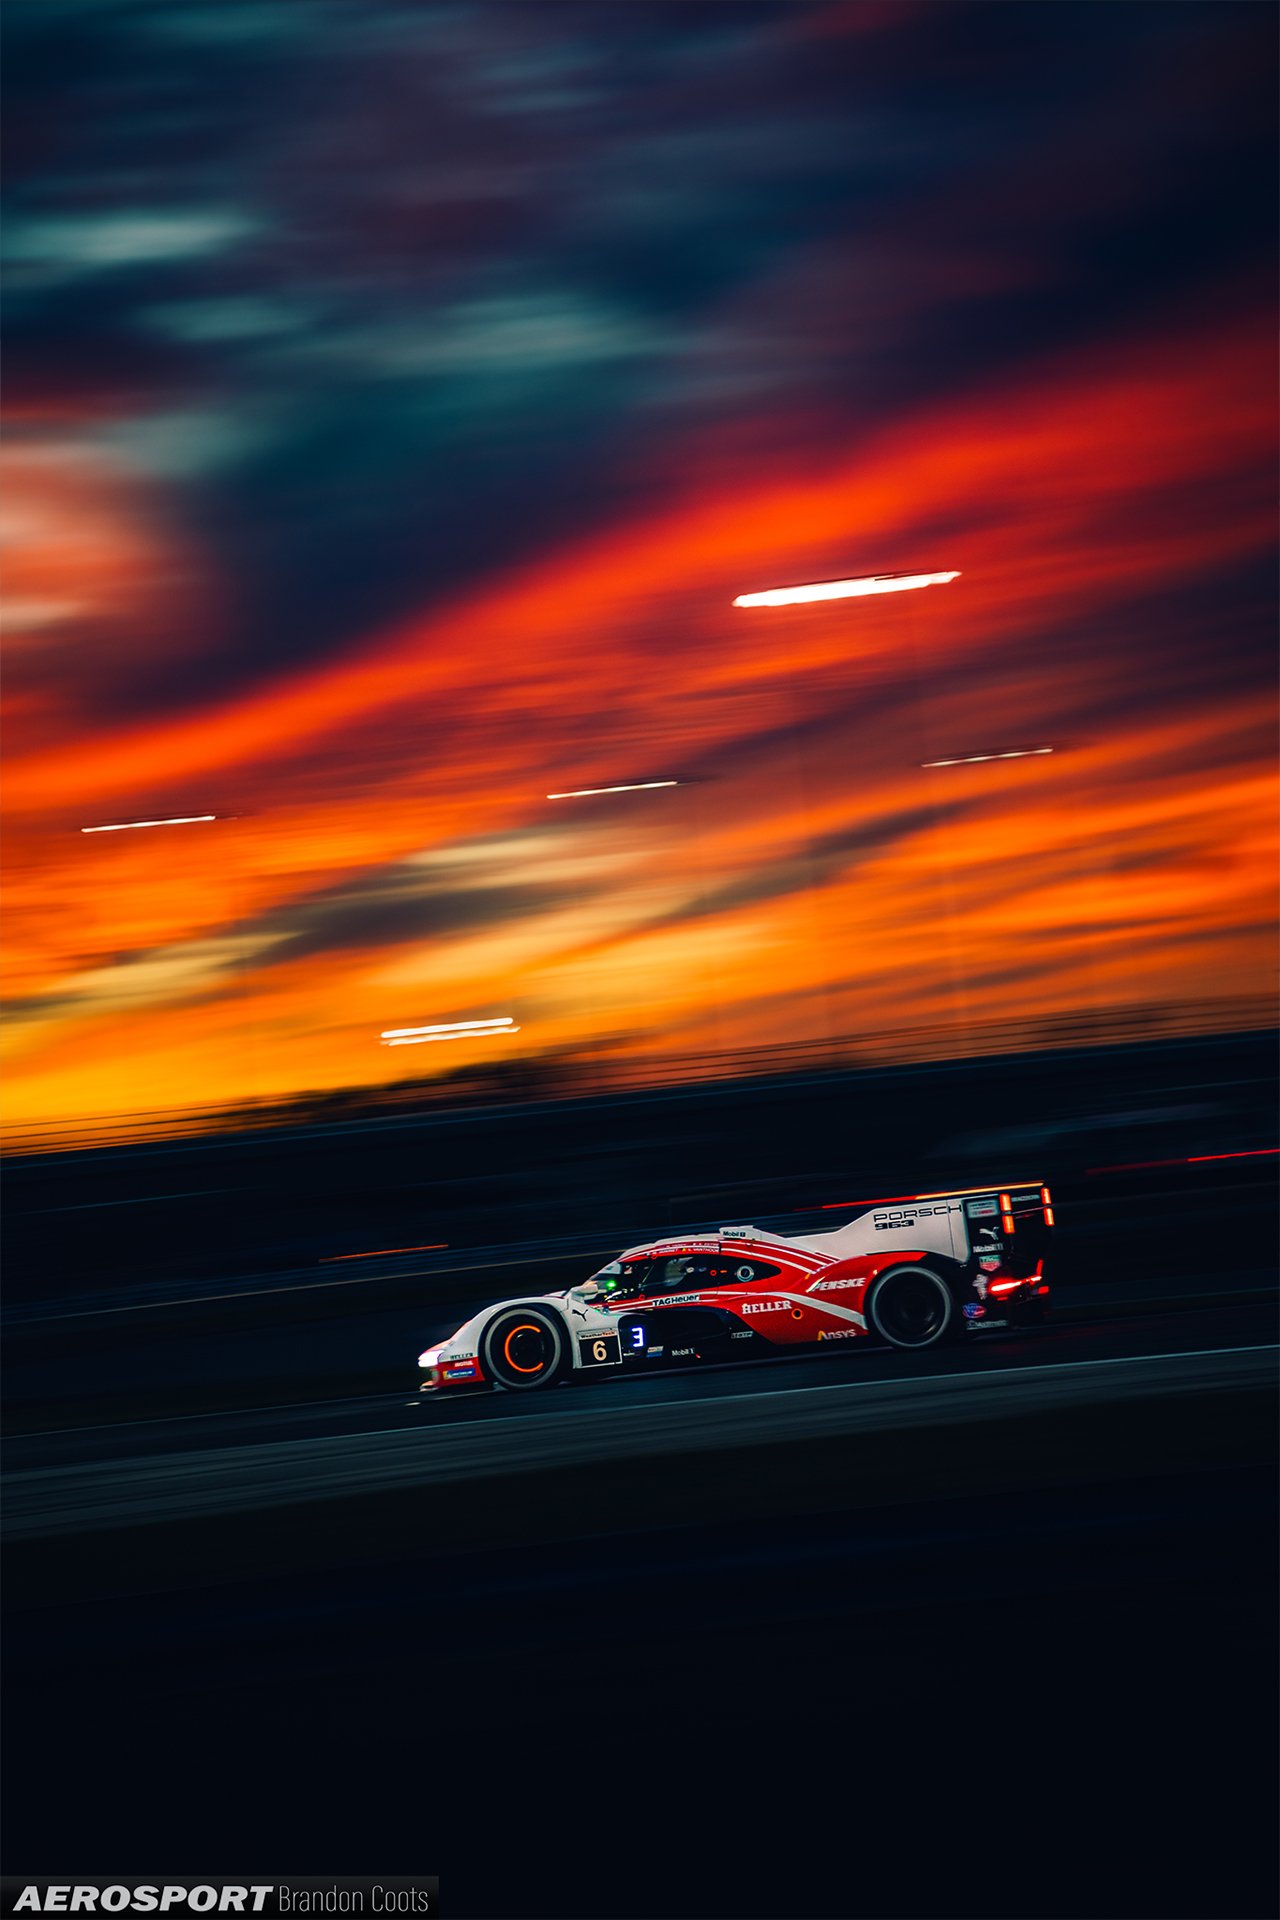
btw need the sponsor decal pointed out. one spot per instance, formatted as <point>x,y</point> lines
<point>655,1351</point>
<point>972,1311</point>
<point>675,1299</point>
<point>734,1233</point>
<point>744,1333</point>
<point>902,1216</point>
<point>671,1250</point>
<point>599,1349</point>
<point>836,1286</point>
<point>997,1323</point>
<point>841,1333</point>
<point>684,1353</point>
<point>744,1273</point>
<point>978,1207</point>
<point>764,1306</point>
<point>980,1285</point>
<point>990,1266</point>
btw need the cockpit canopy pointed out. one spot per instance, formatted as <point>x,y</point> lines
<point>678,1273</point>
<point>621,1277</point>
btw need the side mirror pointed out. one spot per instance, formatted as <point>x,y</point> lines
<point>588,1291</point>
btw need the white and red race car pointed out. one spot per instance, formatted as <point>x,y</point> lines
<point>914,1271</point>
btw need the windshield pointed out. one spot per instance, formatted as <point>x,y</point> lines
<point>621,1277</point>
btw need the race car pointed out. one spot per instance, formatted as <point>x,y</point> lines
<point>913,1271</point>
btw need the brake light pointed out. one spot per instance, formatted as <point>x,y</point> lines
<point>1006,1213</point>
<point>1003,1286</point>
<point>1047,1204</point>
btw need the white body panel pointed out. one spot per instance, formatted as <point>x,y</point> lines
<point>932,1226</point>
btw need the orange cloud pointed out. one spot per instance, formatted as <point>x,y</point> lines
<point>821,881</point>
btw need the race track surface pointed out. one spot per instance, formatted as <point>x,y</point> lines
<point>124,1473</point>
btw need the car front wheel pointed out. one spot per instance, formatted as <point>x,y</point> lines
<point>525,1347</point>
<point>912,1307</point>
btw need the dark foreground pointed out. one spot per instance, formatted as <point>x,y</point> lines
<point>1020,1666</point>
<point>1033,1703</point>
<point>986,1632</point>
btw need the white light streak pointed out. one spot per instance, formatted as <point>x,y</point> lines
<point>844,589</point>
<point>637,786</point>
<point>126,826</point>
<point>448,1030</point>
<point>968,759</point>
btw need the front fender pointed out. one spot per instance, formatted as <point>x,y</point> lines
<point>581,1321</point>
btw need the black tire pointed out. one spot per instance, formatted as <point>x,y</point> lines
<point>913,1307</point>
<point>525,1347</point>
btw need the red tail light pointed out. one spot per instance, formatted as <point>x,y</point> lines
<point>1006,1213</point>
<point>1047,1204</point>
<point>1004,1286</point>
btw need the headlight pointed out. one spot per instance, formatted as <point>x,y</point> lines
<point>431,1358</point>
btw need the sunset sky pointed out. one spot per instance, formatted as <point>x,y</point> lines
<point>399,395</point>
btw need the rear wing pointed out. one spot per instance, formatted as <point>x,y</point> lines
<point>1010,1223</point>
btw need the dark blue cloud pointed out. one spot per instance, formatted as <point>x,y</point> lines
<point>420,289</point>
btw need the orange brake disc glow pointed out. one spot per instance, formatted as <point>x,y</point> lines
<point>506,1349</point>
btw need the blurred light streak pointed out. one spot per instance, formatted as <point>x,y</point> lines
<point>1245,1153</point>
<point>203,1299</point>
<point>968,759</point>
<point>1188,1160</point>
<point>448,1026</point>
<point>458,1030</point>
<point>844,589</point>
<point>378,1253</point>
<point>638,786</point>
<point>179,820</point>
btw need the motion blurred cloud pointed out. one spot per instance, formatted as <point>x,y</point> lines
<point>403,394</point>
<point>75,244</point>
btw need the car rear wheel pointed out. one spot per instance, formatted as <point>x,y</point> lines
<point>912,1307</point>
<point>525,1347</point>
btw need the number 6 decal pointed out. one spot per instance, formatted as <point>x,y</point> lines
<point>599,1350</point>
